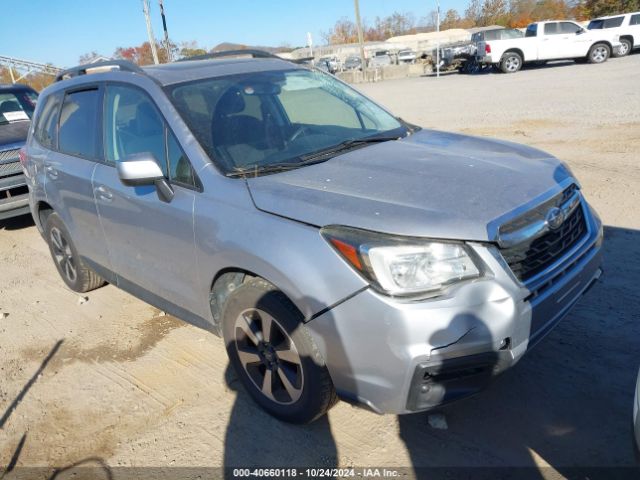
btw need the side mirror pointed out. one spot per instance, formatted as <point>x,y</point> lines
<point>142,169</point>
<point>580,31</point>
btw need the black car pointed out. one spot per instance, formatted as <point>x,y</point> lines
<point>17,103</point>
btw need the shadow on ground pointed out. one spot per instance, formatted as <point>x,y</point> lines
<point>17,223</point>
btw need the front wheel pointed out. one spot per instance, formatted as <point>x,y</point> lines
<point>511,62</point>
<point>599,53</point>
<point>274,355</point>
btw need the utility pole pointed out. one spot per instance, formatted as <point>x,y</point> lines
<point>167,45</point>
<point>360,35</point>
<point>310,44</point>
<point>438,40</point>
<point>152,40</point>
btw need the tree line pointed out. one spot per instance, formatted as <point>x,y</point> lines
<point>479,13</point>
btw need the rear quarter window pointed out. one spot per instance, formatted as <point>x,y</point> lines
<point>46,127</point>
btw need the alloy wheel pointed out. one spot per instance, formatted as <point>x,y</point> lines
<point>63,254</point>
<point>268,356</point>
<point>512,64</point>
<point>624,49</point>
<point>599,54</point>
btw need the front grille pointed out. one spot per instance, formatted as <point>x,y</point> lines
<point>9,156</point>
<point>10,168</point>
<point>530,258</point>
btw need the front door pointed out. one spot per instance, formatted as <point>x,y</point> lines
<point>150,241</point>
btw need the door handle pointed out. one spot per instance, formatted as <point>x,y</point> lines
<point>51,171</point>
<point>103,193</point>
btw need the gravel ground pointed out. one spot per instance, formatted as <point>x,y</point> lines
<point>112,382</point>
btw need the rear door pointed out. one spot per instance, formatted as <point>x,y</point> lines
<point>151,242</point>
<point>634,29</point>
<point>69,167</point>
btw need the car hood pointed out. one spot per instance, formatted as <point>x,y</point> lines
<point>430,184</point>
<point>15,132</point>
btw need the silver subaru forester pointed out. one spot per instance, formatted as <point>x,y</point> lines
<point>339,251</point>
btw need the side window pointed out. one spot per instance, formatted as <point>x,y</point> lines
<point>635,19</point>
<point>180,169</point>
<point>46,128</point>
<point>551,29</point>
<point>77,131</point>
<point>132,124</point>
<point>532,30</point>
<point>568,27</point>
<point>613,22</point>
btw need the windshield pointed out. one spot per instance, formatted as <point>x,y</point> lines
<point>257,120</point>
<point>17,106</point>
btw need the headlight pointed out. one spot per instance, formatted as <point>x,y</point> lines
<point>403,266</point>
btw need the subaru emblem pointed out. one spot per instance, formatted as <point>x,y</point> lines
<point>554,218</point>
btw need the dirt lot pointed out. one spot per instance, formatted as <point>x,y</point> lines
<point>113,381</point>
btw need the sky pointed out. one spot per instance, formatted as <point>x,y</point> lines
<point>59,31</point>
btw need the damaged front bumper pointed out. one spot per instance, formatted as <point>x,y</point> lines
<point>397,356</point>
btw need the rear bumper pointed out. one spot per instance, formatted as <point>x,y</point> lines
<point>485,59</point>
<point>399,356</point>
<point>14,197</point>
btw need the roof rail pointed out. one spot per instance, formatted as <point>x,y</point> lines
<point>232,53</point>
<point>122,65</point>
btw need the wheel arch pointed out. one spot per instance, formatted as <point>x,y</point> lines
<point>630,38</point>
<point>42,212</point>
<point>515,50</point>
<point>604,42</point>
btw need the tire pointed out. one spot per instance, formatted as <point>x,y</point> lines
<point>75,273</point>
<point>511,62</point>
<point>625,48</point>
<point>289,354</point>
<point>599,53</point>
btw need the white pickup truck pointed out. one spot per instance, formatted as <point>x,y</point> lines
<point>550,40</point>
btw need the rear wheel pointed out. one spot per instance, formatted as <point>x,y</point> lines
<point>625,48</point>
<point>274,355</point>
<point>599,53</point>
<point>511,62</point>
<point>75,273</point>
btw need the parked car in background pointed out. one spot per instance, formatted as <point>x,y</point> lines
<point>627,26</point>
<point>550,40</point>
<point>329,64</point>
<point>380,58</point>
<point>353,62</point>
<point>406,56</point>
<point>496,34</point>
<point>17,103</point>
<point>338,250</point>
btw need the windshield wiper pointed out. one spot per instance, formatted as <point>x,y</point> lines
<point>309,158</point>
<point>346,145</point>
<point>254,170</point>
